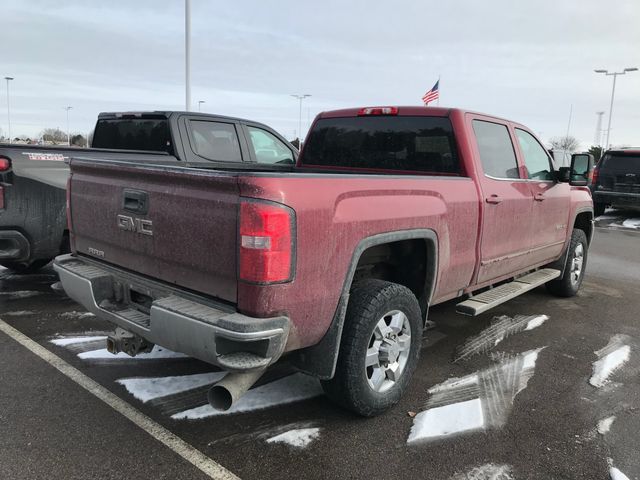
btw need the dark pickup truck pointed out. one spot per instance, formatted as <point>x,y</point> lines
<point>33,223</point>
<point>335,263</point>
<point>616,180</point>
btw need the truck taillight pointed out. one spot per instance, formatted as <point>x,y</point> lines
<point>378,111</point>
<point>594,175</point>
<point>5,164</point>
<point>267,249</point>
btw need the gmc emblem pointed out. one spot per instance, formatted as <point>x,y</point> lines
<point>137,225</point>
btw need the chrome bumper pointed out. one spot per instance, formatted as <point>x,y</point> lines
<point>213,334</point>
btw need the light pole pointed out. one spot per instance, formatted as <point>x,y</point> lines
<point>300,98</point>
<point>8,108</point>
<point>613,92</point>
<point>200,102</point>
<point>68,133</point>
<point>187,54</point>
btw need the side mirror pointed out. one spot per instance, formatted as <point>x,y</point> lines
<point>581,166</point>
<point>563,174</point>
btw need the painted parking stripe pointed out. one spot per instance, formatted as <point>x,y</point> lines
<point>157,431</point>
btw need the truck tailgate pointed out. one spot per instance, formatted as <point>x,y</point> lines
<point>173,224</point>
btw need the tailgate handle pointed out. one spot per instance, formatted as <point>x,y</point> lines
<point>135,201</point>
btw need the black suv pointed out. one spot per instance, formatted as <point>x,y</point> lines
<point>616,180</point>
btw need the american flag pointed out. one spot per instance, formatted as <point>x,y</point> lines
<point>432,94</point>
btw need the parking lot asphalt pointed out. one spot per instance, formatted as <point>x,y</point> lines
<point>544,414</point>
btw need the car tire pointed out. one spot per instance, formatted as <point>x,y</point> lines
<point>381,340</point>
<point>26,268</point>
<point>598,209</point>
<point>574,267</point>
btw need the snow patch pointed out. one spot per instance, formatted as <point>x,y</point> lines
<point>155,354</point>
<point>631,223</point>
<point>610,358</point>
<point>616,474</point>
<point>286,390</point>
<point>447,420</point>
<point>74,314</point>
<point>488,471</point>
<point>501,328</point>
<point>21,294</point>
<point>298,438</point>
<point>478,401</point>
<point>64,342</point>
<point>604,425</point>
<point>18,313</point>
<point>145,389</point>
<point>536,322</point>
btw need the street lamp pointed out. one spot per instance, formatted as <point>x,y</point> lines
<point>187,54</point>
<point>200,102</point>
<point>68,133</point>
<point>300,97</point>
<point>8,108</point>
<point>613,92</point>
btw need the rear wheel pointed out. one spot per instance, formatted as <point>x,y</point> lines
<point>379,350</point>
<point>26,268</point>
<point>598,209</point>
<point>574,267</point>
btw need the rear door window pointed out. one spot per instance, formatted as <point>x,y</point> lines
<point>268,148</point>
<point>151,134</point>
<point>395,143</point>
<point>216,141</point>
<point>497,155</point>
<point>536,159</point>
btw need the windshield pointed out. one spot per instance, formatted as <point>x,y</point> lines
<point>420,144</point>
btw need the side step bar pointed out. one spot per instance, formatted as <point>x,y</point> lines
<point>496,296</point>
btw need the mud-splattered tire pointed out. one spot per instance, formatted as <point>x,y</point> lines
<point>379,349</point>
<point>26,268</point>
<point>574,267</point>
<point>598,209</point>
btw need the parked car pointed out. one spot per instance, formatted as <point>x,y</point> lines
<point>33,224</point>
<point>616,180</point>
<point>334,264</point>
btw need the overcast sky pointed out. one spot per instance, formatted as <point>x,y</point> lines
<point>526,61</point>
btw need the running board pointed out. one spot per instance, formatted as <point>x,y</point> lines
<point>496,296</point>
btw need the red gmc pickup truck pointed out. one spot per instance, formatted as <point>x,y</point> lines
<point>332,262</point>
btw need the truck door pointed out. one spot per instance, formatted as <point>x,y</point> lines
<point>551,200</point>
<point>507,202</point>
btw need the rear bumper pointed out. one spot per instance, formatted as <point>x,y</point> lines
<point>14,246</point>
<point>617,198</point>
<point>183,323</point>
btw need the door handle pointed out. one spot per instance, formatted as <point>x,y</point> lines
<point>135,201</point>
<point>539,197</point>
<point>494,199</point>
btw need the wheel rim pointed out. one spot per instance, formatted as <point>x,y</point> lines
<point>577,263</point>
<point>388,352</point>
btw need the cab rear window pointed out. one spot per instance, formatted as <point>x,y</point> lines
<point>395,143</point>
<point>151,134</point>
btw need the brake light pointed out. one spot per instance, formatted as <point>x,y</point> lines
<point>378,111</point>
<point>266,242</point>
<point>5,164</point>
<point>593,175</point>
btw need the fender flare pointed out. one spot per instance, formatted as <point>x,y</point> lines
<point>320,359</point>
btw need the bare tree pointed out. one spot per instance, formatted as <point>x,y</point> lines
<point>54,135</point>
<point>568,143</point>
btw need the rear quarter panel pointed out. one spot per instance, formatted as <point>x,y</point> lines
<point>334,213</point>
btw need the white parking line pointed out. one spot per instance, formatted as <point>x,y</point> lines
<point>157,431</point>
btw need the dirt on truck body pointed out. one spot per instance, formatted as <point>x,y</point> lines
<point>388,211</point>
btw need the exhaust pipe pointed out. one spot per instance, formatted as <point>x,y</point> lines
<point>228,391</point>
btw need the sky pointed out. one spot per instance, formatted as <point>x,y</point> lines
<point>531,62</point>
